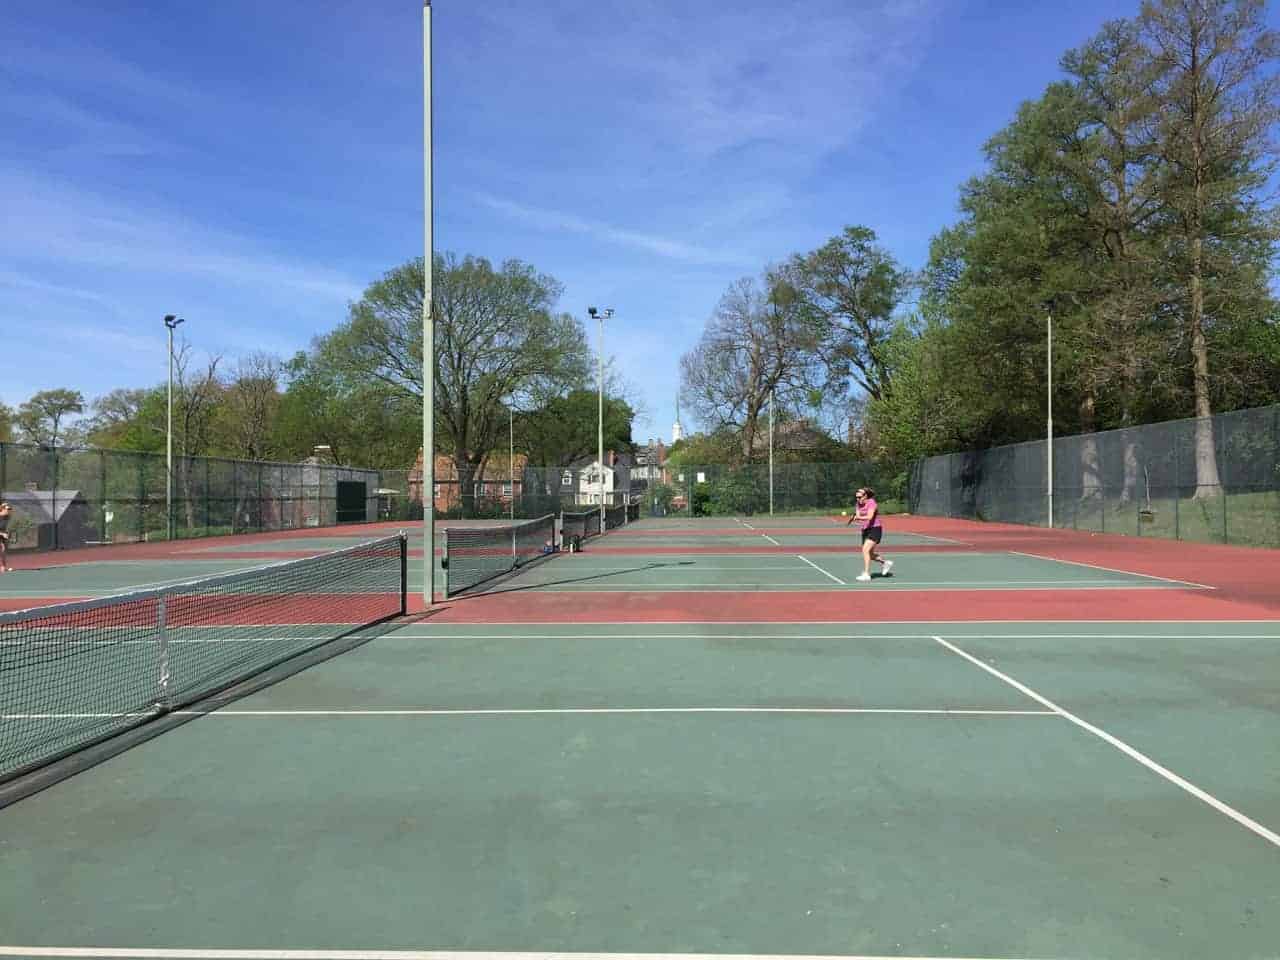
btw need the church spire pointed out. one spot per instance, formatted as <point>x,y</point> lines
<point>677,429</point>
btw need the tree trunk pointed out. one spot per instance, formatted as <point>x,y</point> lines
<point>466,486</point>
<point>1090,473</point>
<point>1207,482</point>
<point>1130,468</point>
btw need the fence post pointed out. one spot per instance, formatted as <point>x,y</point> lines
<point>1222,477</point>
<point>207,481</point>
<point>102,495</point>
<point>142,496</point>
<point>1177,491</point>
<point>53,497</point>
<point>4,480</point>
<point>1102,494</point>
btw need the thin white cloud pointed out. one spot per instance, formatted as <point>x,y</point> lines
<point>69,127</point>
<point>552,220</point>
<point>707,78</point>
<point>55,222</point>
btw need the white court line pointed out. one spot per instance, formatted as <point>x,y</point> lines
<point>440,634</point>
<point>161,953</point>
<point>926,624</point>
<point>771,540</point>
<point>821,571</point>
<point>935,539</point>
<point>1127,573</point>
<point>902,586</point>
<point>1191,788</point>
<point>552,711</point>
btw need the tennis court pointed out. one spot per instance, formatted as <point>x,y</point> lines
<point>696,737</point>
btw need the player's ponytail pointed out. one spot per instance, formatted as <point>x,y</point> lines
<point>871,494</point>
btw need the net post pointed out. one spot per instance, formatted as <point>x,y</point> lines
<point>162,639</point>
<point>446,568</point>
<point>404,574</point>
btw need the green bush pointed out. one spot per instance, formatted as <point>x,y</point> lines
<point>736,493</point>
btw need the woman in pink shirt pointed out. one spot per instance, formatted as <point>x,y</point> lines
<point>868,517</point>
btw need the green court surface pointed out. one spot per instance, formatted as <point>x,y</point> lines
<point>836,789</point>
<point>597,571</point>
<point>659,568</point>
<point>454,789</point>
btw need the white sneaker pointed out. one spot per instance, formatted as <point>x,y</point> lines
<point>864,577</point>
<point>888,567</point>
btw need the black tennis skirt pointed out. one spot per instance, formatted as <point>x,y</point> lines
<point>873,534</point>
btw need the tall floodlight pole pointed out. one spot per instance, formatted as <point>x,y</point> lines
<point>428,327</point>
<point>1049,350</point>
<point>171,322</point>
<point>601,316</point>
<point>771,453</point>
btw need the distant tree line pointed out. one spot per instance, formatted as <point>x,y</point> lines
<point>502,352</point>
<point>1129,202</point>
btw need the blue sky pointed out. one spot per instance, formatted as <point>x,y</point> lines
<point>253,165</point>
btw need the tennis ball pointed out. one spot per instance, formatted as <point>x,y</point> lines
<point>844,513</point>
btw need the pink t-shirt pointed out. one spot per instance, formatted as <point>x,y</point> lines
<point>869,509</point>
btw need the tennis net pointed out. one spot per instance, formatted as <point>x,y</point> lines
<point>474,555</point>
<point>75,674</point>
<point>579,526</point>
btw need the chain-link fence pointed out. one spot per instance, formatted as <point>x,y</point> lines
<point>1143,481</point>
<point>725,490</point>
<point>711,490</point>
<point>64,498</point>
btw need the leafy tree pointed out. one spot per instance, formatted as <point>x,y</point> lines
<point>248,409</point>
<point>758,345</point>
<point>42,419</point>
<point>116,417</point>
<point>497,341</point>
<point>364,423</point>
<point>565,428</point>
<point>1218,91</point>
<point>6,423</point>
<point>852,289</point>
<point>702,448</point>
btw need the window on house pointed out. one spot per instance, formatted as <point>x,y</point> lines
<point>506,489</point>
<point>436,494</point>
<point>566,479</point>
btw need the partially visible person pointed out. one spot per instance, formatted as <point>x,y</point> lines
<point>5,512</point>
<point>868,517</point>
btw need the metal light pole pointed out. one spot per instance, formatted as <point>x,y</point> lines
<point>428,327</point>
<point>171,322</point>
<point>1049,350</point>
<point>601,316</point>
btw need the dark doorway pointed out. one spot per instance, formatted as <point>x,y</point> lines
<point>353,500</point>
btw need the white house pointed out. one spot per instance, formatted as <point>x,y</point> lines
<point>582,480</point>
